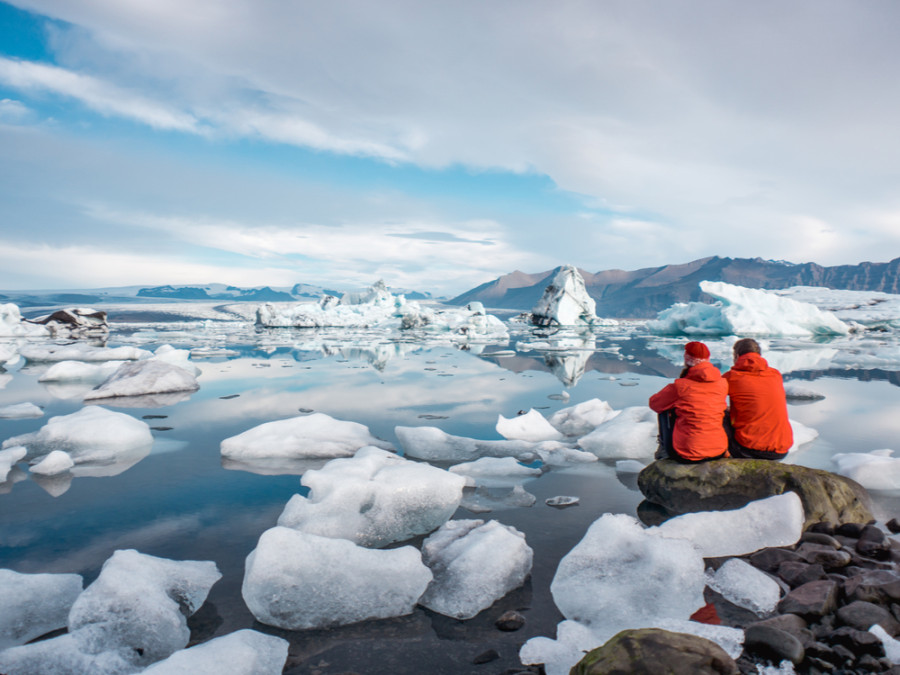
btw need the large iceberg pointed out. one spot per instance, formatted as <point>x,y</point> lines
<point>746,311</point>
<point>374,499</point>
<point>474,564</point>
<point>74,322</point>
<point>134,614</point>
<point>315,435</point>
<point>142,378</point>
<point>91,435</point>
<point>34,604</point>
<point>565,301</point>
<point>294,580</point>
<point>244,652</point>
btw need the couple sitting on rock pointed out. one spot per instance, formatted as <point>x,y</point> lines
<point>692,408</point>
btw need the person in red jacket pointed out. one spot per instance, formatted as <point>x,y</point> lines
<point>698,399</point>
<point>758,413</point>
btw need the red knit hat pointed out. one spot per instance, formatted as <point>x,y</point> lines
<point>697,350</point>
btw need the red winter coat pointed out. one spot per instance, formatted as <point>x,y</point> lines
<point>758,406</point>
<point>699,400</point>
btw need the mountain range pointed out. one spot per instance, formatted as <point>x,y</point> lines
<point>645,292</point>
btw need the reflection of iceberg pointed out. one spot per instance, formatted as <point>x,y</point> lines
<point>566,354</point>
<point>484,499</point>
<point>274,466</point>
<point>143,401</point>
<point>801,358</point>
<point>745,311</point>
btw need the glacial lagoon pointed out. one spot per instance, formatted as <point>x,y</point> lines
<point>183,501</point>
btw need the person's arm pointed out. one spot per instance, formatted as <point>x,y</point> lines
<point>664,399</point>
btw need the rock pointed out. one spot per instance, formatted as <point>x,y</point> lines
<point>861,615</point>
<point>878,586</point>
<point>814,599</point>
<point>770,559</point>
<point>486,656</point>
<point>799,573</point>
<point>822,527</point>
<point>820,538</point>
<point>893,525</point>
<point>510,621</point>
<point>826,556</point>
<point>773,643</point>
<point>732,483</point>
<point>857,641</point>
<point>645,650</point>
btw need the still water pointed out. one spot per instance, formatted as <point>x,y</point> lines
<point>181,502</point>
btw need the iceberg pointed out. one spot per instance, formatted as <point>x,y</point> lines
<point>91,435</point>
<point>133,615</point>
<point>764,523</point>
<point>746,311</point>
<point>433,444</point>
<point>495,471</point>
<point>294,580</point>
<point>13,325</point>
<point>745,586</point>
<point>864,307</point>
<point>532,426</point>
<point>306,436</point>
<point>34,604</point>
<point>79,371</point>
<point>374,499</point>
<point>565,301</point>
<point>244,652</point>
<point>74,322</point>
<point>474,564</point>
<point>142,378</point>
<point>20,411</point>
<point>876,470</point>
<point>631,434</point>
<point>582,418</point>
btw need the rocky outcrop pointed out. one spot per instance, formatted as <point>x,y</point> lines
<point>651,650</point>
<point>676,488</point>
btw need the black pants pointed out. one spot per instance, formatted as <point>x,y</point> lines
<point>739,451</point>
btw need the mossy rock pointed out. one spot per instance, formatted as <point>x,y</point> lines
<point>653,651</point>
<point>725,484</point>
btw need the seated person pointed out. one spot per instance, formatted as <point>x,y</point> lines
<point>760,428</point>
<point>698,399</point>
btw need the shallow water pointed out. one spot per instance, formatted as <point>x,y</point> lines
<point>180,502</point>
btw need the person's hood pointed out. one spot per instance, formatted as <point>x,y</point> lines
<point>703,372</point>
<point>751,362</point>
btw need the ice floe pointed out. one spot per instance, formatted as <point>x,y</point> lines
<point>91,435</point>
<point>474,564</point>
<point>876,470</point>
<point>374,499</point>
<point>532,426</point>
<point>865,307</point>
<point>306,436</point>
<point>34,604</point>
<point>131,616</point>
<point>745,311</point>
<point>295,580</point>
<point>565,301</point>
<point>13,325</point>
<point>773,521</point>
<point>147,377</point>
<point>244,652</point>
<point>631,434</point>
<point>434,444</point>
<point>20,411</point>
<point>582,418</point>
<point>80,352</point>
<point>742,584</point>
<point>54,463</point>
<point>795,391</point>
<point>495,471</point>
<point>9,457</point>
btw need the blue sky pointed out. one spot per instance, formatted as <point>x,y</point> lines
<point>439,145</point>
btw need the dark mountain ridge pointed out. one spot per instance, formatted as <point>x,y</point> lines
<point>645,292</point>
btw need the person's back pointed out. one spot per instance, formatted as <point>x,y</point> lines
<point>699,401</point>
<point>758,411</point>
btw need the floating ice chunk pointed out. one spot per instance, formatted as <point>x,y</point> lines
<point>573,640</point>
<point>802,434</point>
<point>20,411</point>
<point>9,457</point>
<point>54,463</point>
<point>745,586</point>
<point>244,652</point>
<point>582,418</point>
<point>141,378</point>
<point>8,352</point>
<point>485,499</point>
<point>876,470</point>
<point>34,604</point>
<point>565,301</point>
<point>93,434</point>
<point>79,352</point>
<point>131,616</point>
<point>891,645</point>
<point>466,323</point>
<point>622,576</point>
<point>796,391</point>
<point>532,426</point>
<point>79,371</point>
<point>773,521</point>
<point>74,322</point>
<point>474,564</point>
<point>373,499</point>
<point>433,444</point>
<point>315,435</point>
<point>495,471</point>
<point>552,453</point>
<point>629,466</point>
<point>632,434</point>
<point>176,357</point>
<point>12,324</point>
<point>294,580</point>
<point>562,501</point>
<point>746,311</point>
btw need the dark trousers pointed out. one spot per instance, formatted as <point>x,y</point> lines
<point>739,451</point>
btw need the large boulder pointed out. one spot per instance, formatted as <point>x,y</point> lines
<point>651,650</point>
<point>732,483</point>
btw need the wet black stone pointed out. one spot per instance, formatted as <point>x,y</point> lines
<point>773,643</point>
<point>486,657</point>
<point>510,621</point>
<point>857,641</point>
<point>861,615</point>
<point>798,573</point>
<point>820,538</point>
<point>850,529</point>
<point>823,527</point>
<point>769,559</point>
<point>893,525</point>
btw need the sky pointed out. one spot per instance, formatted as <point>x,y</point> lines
<point>440,145</point>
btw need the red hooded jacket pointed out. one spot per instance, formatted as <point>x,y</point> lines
<point>699,399</point>
<point>758,406</point>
